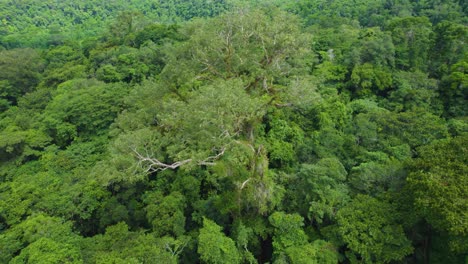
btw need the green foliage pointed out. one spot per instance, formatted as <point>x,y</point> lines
<point>41,239</point>
<point>214,246</point>
<point>157,33</point>
<point>119,245</point>
<point>454,89</point>
<point>81,109</point>
<point>413,91</point>
<point>376,47</point>
<point>48,251</point>
<point>438,180</point>
<point>369,80</point>
<point>36,23</point>
<point>290,243</point>
<point>123,63</point>
<point>166,214</point>
<point>21,71</point>
<point>255,46</point>
<point>448,47</point>
<point>378,174</point>
<point>206,122</point>
<point>320,189</point>
<point>411,36</point>
<point>370,229</point>
<point>367,12</point>
<point>283,138</point>
<point>375,12</point>
<point>307,131</point>
<point>288,230</point>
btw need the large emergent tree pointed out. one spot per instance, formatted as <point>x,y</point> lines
<point>251,135</point>
<point>208,107</point>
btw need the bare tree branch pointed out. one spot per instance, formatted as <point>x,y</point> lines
<point>210,161</point>
<point>244,183</point>
<point>151,164</point>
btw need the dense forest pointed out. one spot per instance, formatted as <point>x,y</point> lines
<point>230,131</point>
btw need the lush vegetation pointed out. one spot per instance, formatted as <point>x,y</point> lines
<point>233,131</point>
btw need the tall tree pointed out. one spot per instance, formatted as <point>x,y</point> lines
<point>440,186</point>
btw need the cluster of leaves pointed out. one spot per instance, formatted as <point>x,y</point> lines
<point>35,23</point>
<point>279,132</point>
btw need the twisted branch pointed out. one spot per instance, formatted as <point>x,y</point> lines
<point>154,164</point>
<point>151,164</point>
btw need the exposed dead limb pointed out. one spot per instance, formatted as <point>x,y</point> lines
<point>245,144</point>
<point>265,52</point>
<point>244,183</point>
<point>284,105</point>
<point>265,84</point>
<point>153,164</point>
<point>210,161</point>
<point>178,248</point>
<point>211,69</point>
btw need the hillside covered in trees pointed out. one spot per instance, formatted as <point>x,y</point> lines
<point>230,131</point>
